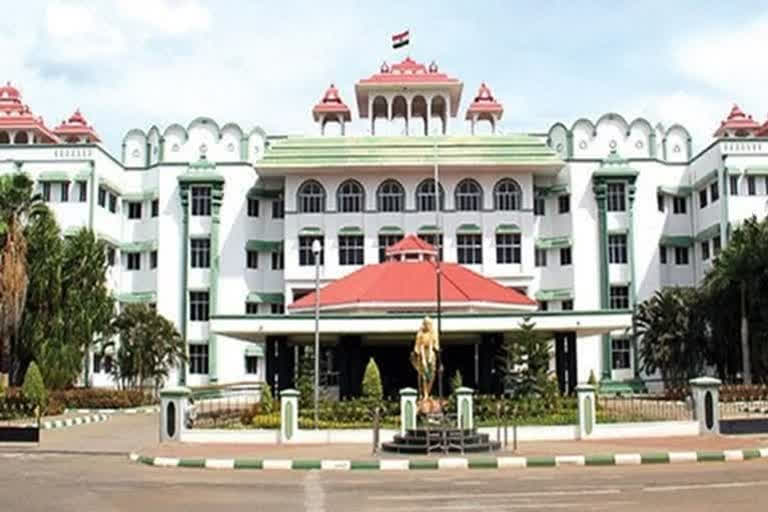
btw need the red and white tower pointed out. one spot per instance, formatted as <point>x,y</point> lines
<point>484,108</point>
<point>76,130</point>
<point>331,109</point>
<point>18,125</point>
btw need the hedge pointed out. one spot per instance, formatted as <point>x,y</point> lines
<point>14,405</point>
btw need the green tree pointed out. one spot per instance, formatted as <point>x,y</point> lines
<point>305,383</point>
<point>18,206</point>
<point>523,362</point>
<point>672,330</point>
<point>68,306</point>
<point>34,389</point>
<point>456,381</point>
<point>267,403</point>
<point>149,346</point>
<point>371,385</point>
<point>740,273</point>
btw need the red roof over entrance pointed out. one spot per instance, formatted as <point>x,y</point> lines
<point>403,283</point>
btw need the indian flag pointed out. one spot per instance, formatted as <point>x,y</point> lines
<point>400,40</point>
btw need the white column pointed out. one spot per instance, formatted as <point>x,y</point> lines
<point>586,399</point>
<point>289,415</point>
<point>465,417</point>
<point>407,409</point>
<point>706,404</point>
<point>173,412</point>
<point>429,116</point>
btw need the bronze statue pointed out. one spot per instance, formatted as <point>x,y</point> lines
<point>424,361</point>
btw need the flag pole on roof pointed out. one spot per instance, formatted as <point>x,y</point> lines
<point>401,39</point>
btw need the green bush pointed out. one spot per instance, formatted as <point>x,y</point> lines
<point>92,398</point>
<point>14,405</point>
<point>34,389</point>
<point>267,402</point>
<point>371,386</point>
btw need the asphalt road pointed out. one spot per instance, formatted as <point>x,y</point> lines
<point>60,482</point>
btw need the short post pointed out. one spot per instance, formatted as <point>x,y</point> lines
<point>464,408</point>
<point>173,410</point>
<point>376,426</point>
<point>586,398</point>
<point>706,404</point>
<point>289,415</point>
<point>407,409</point>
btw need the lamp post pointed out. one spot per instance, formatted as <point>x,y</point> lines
<point>438,271</point>
<point>316,249</point>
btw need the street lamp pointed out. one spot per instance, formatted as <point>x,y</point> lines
<point>316,249</point>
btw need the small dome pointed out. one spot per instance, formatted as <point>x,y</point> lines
<point>8,91</point>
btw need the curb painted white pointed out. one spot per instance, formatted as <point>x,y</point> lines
<point>511,462</point>
<point>627,459</point>
<point>277,464</point>
<point>166,462</point>
<point>393,464</point>
<point>679,457</point>
<point>452,463</point>
<point>220,463</point>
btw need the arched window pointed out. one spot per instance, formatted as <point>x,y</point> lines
<point>350,197</point>
<point>507,195</point>
<point>425,196</point>
<point>469,196</point>
<point>311,197</point>
<point>4,138</point>
<point>21,138</point>
<point>390,197</point>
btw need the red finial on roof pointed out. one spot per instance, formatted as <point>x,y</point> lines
<point>737,124</point>
<point>331,104</point>
<point>485,104</point>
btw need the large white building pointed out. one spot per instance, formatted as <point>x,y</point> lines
<point>214,225</point>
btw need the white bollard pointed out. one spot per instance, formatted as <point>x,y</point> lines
<point>289,415</point>
<point>465,418</point>
<point>407,409</point>
<point>706,404</point>
<point>173,410</point>
<point>585,394</point>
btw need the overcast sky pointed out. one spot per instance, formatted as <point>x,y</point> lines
<point>134,63</point>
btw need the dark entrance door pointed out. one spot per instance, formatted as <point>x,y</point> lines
<point>565,362</point>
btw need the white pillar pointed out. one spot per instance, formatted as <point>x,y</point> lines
<point>465,417</point>
<point>407,409</point>
<point>173,412</point>
<point>289,415</point>
<point>428,120</point>
<point>586,399</point>
<point>706,404</point>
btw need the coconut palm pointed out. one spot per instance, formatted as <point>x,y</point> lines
<point>742,266</point>
<point>672,333</point>
<point>18,205</point>
<point>149,346</point>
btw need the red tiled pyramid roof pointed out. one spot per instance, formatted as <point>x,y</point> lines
<point>411,243</point>
<point>413,282</point>
<point>737,121</point>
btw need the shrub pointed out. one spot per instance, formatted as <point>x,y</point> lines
<point>92,398</point>
<point>34,389</point>
<point>371,386</point>
<point>592,380</point>
<point>267,402</point>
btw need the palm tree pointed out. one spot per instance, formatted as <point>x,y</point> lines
<point>742,265</point>
<point>672,334</point>
<point>18,205</point>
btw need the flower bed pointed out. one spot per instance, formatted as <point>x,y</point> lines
<point>14,405</point>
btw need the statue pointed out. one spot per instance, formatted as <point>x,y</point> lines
<point>424,361</point>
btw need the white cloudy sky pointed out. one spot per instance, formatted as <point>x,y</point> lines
<point>134,63</point>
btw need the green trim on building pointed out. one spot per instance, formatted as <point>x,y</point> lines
<point>53,176</point>
<point>555,294</point>
<point>114,187</point>
<point>469,229</point>
<point>147,195</point>
<point>551,190</point>
<point>108,239</point>
<point>681,191</point>
<point>256,350</point>
<point>429,229</point>
<point>304,152</point>
<point>144,246</point>
<point>310,230</point>
<point>676,241</point>
<point>351,230</point>
<point>259,192</point>
<point>507,228</point>
<point>266,297</point>
<point>391,230</point>
<point>704,180</point>
<point>264,245</point>
<point>554,242</point>
<point>710,232</point>
<point>510,314</point>
<point>217,199</point>
<point>137,297</point>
